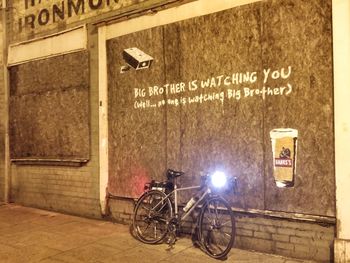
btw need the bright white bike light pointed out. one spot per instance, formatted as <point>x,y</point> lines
<point>218,179</point>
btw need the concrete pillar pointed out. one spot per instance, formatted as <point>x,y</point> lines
<point>103,117</point>
<point>5,159</point>
<point>341,53</point>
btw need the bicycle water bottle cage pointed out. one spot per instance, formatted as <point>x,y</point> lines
<point>171,174</point>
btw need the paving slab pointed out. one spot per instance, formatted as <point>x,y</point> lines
<point>34,235</point>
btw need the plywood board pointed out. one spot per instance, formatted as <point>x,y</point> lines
<point>137,138</point>
<point>49,108</point>
<point>217,86</point>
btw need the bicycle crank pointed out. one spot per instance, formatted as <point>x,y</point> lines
<point>172,227</point>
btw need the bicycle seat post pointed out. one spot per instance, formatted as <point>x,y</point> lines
<point>175,196</point>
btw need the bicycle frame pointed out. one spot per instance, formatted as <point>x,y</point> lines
<point>175,192</point>
<point>157,216</point>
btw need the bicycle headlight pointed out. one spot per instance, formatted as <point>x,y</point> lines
<point>218,179</point>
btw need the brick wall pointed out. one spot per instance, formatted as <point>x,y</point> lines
<point>120,210</point>
<point>292,238</point>
<point>69,190</point>
<point>73,190</point>
<point>298,239</point>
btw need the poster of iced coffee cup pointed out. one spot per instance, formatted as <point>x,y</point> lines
<point>284,150</point>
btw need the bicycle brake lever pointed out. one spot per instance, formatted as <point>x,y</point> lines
<point>235,186</point>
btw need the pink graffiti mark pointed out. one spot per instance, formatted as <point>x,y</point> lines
<point>139,176</point>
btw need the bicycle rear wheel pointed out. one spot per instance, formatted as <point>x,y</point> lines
<point>151,214</point>
<point>216,227</point>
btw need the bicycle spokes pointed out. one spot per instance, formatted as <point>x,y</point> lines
<point>150,217</point>
<point>217,227</point>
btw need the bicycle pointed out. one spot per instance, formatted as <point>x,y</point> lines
<point>156,213</point>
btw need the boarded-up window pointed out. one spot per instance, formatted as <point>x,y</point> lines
<point>49,108</point>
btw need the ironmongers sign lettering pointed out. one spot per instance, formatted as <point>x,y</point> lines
<point>62,10</point>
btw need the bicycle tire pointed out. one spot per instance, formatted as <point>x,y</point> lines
<point>216,227</point>
<point>150,225</point>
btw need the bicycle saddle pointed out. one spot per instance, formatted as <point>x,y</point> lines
<point>171,174</point>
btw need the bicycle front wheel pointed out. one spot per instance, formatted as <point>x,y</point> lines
<point>217,227</point>
<point>152,211</point>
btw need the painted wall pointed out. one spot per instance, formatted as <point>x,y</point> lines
<point>3,118</point>
<point>341,37</point>
<point>213,94</point>
<point>30,18</point>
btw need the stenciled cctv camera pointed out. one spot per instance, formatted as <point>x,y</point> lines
<point>136,58</point>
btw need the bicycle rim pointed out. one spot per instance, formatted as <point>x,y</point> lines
<point>217,227</point>
<point>150,217</point>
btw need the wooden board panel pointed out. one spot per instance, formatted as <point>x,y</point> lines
<point>217,86</point>
<point>213,134</point>
<point>49,108</point>
<point>137,137</point>
<point>298,33</point>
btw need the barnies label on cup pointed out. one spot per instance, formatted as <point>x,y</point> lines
<point>284,147</point>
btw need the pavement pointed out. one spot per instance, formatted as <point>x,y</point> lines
<point>34,235</point>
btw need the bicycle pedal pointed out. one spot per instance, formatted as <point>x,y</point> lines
<point>170,247</point>
<point>171,239</point>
